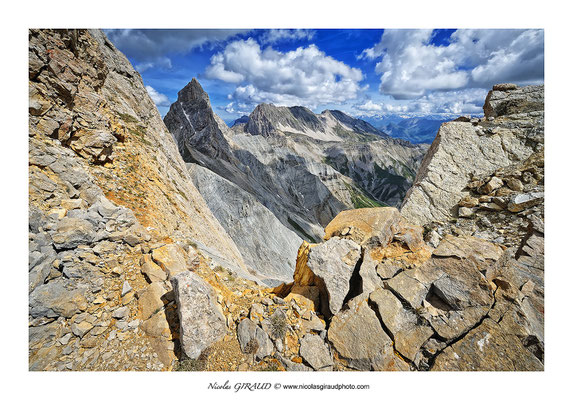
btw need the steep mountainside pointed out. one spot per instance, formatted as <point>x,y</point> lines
<point>301,167</point>
<point>380,166</point>
<point>108,193</point>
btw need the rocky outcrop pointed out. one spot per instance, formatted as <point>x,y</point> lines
<point>201,319</point>
<point>333,264</point>
<point>107,189</point>
<point>511,132</point>
<point>407,307</point>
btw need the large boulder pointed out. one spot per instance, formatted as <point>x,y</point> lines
<point>365,225</point>
<point>201,321</point>
<point>334,262</point>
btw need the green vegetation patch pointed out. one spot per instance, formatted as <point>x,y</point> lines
<point>299,229</point>
<point>360,199</point>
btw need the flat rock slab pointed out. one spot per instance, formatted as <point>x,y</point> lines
<point>359,339</point>
<point>201,321</point>
<point>487,348</point>
<point>315,351</point>
<point>409,331</point>
<point>468,246</point>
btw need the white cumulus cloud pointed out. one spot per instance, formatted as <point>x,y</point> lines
<point>410,66</point>
<point>305,76</point>
<point>159,99</point>
<point>281,35</point>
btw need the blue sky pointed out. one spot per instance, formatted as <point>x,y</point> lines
<point>362,72</point>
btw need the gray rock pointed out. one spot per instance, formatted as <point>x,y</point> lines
<point>201,320</point>
<point>370,278</point>
<point>71,232</point>
<point>121,313</point>
<point>521,201</point>
<point>253,339</point>
<point>464,212</point>
<point>126,288</point>
<point>334,262</point>
<point>54,299</point>
<point>359,339</point>
<point>315,352</point>
<point>408,331</point>
<point>506,99</point>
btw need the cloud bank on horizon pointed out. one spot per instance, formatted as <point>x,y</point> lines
<point>361,72</point>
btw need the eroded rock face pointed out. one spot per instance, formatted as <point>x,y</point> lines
<point>358,337</point>
<point>334,262</point>
<point>105,188</point>
<point>514,133</point>
<point>201,320</point>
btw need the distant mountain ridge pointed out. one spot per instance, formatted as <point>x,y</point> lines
<point>415,129</point>
<point>328,126</point>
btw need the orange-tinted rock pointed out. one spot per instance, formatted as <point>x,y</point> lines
<point>365,225</point>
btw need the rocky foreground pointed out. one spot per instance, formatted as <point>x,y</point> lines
<point>131,270</point>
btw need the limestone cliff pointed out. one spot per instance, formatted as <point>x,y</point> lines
<point>107,188</point>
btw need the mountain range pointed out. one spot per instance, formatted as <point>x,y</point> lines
<point>292,241</point>
<point>293,168</point>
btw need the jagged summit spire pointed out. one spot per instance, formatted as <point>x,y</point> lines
<point>194,93</point>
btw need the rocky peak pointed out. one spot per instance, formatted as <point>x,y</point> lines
<point>198,131</point>
<point>193,96</point>
<point>507,99</point>
<point>268,119</point>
